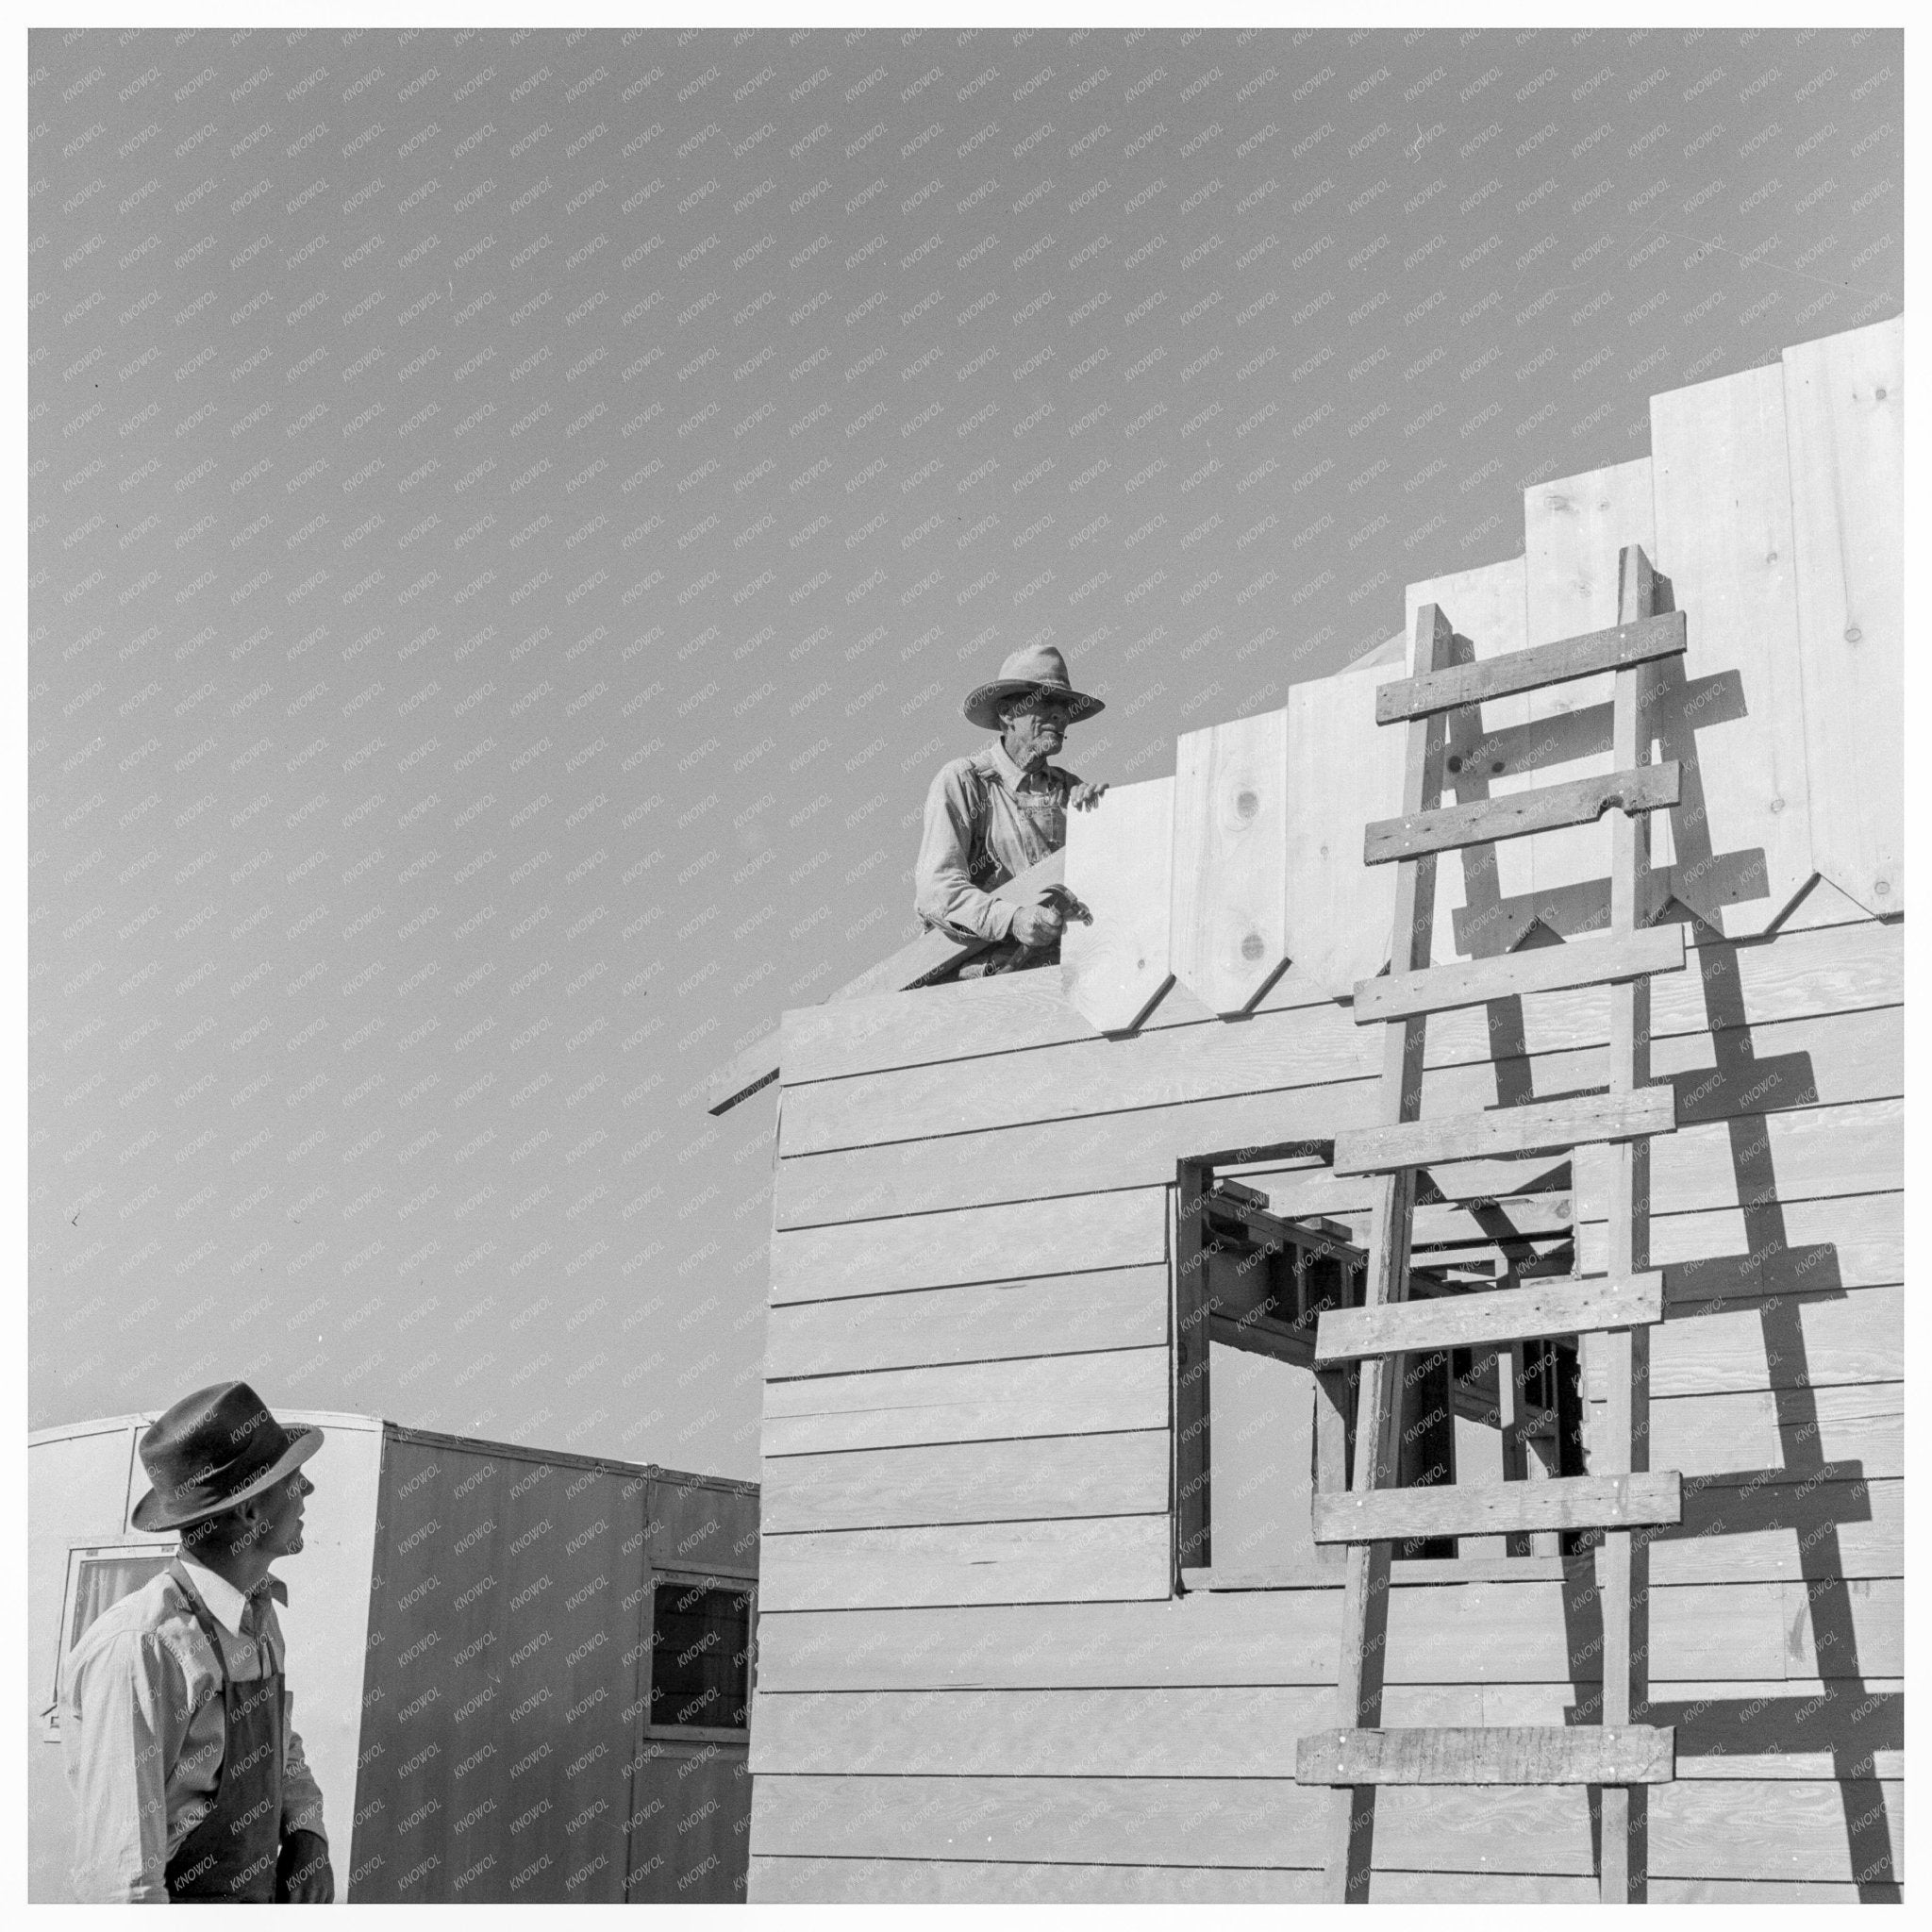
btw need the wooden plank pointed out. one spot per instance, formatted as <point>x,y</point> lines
<point>1225,1731</point>
<point>1541,1128</point>
<point>1030,1477</point>
<point>1228,938</point>
<point>1512,1314</point>
<point>1114,950</point>
<point>1574,530</point>
<point>1795,1430</point>
<point>1055,1314</point>
<point>1103,1559</point>
<point>1845,412</point>
<point>968,1401</point>
<point>1820,1339</point>
<point>1705,1830</point>
<point>1119,1230</point>
<point>1494,1754</point>
<point>758,1065</point>
<point>1518,814</point>
<point>1515,976</point>
<point>1342,772</point>
<point>1721,483</point>
<point>970,1881</point>
<point>1807,1154</point>
<point>1560,662</point>
<point>1564,1503</point>
<point>1783,1530</point>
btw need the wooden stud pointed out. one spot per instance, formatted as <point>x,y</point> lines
<point>1114,949</point>
<point>1494,1755</point>
<point>1517,814</point>
<point>1561,662</point>
<point>1228,938</point>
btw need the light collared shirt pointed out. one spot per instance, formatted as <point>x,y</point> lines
<point>986,821</point>
<point>142,1726</point>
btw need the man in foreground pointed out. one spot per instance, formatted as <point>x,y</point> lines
<point>189,1779</point>
<point>990,816</point>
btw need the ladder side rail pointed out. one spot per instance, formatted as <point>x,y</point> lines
<point>1629,1068</point>
<point>1365,1591</point>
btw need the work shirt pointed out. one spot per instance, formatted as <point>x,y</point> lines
<point>986,821</point>
<point>141,1725</point>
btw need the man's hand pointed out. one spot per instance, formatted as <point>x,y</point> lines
<point>1085,797</point>
<point>304,1877</point>
<point>1035,926</point>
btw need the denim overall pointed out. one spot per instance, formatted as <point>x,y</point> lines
<point>229,1857</point>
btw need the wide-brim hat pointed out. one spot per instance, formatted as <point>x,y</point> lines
<point>1037,668</point>
<point>214,1449</point>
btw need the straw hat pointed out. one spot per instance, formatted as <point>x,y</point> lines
<point>1037,668</point>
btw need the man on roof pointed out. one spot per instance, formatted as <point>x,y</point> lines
<point>991,816</point>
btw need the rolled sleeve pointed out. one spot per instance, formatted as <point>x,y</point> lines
<point>301,1794</point>
<point>945,894</point>
<point>126,1715</point>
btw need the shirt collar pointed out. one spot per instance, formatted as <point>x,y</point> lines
<point>225,1604</point>
<point>1013,776</point>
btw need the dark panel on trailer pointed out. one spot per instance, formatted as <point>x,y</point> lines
<point>507,1678</point>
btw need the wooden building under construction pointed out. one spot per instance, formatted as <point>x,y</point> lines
<point>1099,1342</point>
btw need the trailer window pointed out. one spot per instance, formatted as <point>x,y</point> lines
<point>97,1580</point>
<point>700,1656</point>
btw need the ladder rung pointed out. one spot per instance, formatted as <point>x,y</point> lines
<point>1504,1755</point>
<point>1544,969</point>
<point>1570,1502</point>
<point>1544,1127</point>
<point>1616,649</point>
<point>1508,1314</point>
<point>1517,814</point>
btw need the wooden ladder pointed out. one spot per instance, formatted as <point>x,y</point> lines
<point>1366,1515</point>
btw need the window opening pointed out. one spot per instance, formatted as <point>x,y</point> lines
<point>701,1656</point>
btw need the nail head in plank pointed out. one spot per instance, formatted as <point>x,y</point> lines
<point>1502,1755</point>
<point>1532,670</point>
<point>1517,814</point>
<point>1545,969</point>
<point>1578,1502</point>
<point>1544,1126</point>
<point>1510,1314</point>
<point>1114,950</point>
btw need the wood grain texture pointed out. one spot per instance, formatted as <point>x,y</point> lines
<point>1519,814</point>
<point>1494,1754</point>
<point>1029,1478</point>
<point>1513,1314</point>
<point>1844,411</point>
<point>1120,1230</point>
<point>1858,1430</point>
<point>1114,950</point>
<point>1062,1314</point>
<point>1491,1633</point>
<point>1714,1259</point>
<point>983,1881</point>
<point>1342,771</point>
<point>1574,527</point>
<point>1722,487</point>
<point>1782,1531</point>
<point>1516,975</point>
<point>1563,662</point>
<point>958,1032</point>
<point>968,1401</point>
<point>1454,1510</point>
<point>1228,937</point>
<point>1543,1126</point>
<point>1793,1830</point>
<point>1092,1560</point>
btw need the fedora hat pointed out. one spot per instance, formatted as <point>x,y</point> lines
<point>1037,668</point>
<point>214,1449</point>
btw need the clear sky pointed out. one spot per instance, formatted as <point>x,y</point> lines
<point>514,516</point>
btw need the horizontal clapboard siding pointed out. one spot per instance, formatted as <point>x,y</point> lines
<point>1501,1634</point>
<point>1122,1475</point>
<point>1084,1560</point>
<point>1856,1430</point>
<point>1697,1829</point>
<point>1796,1064</point>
